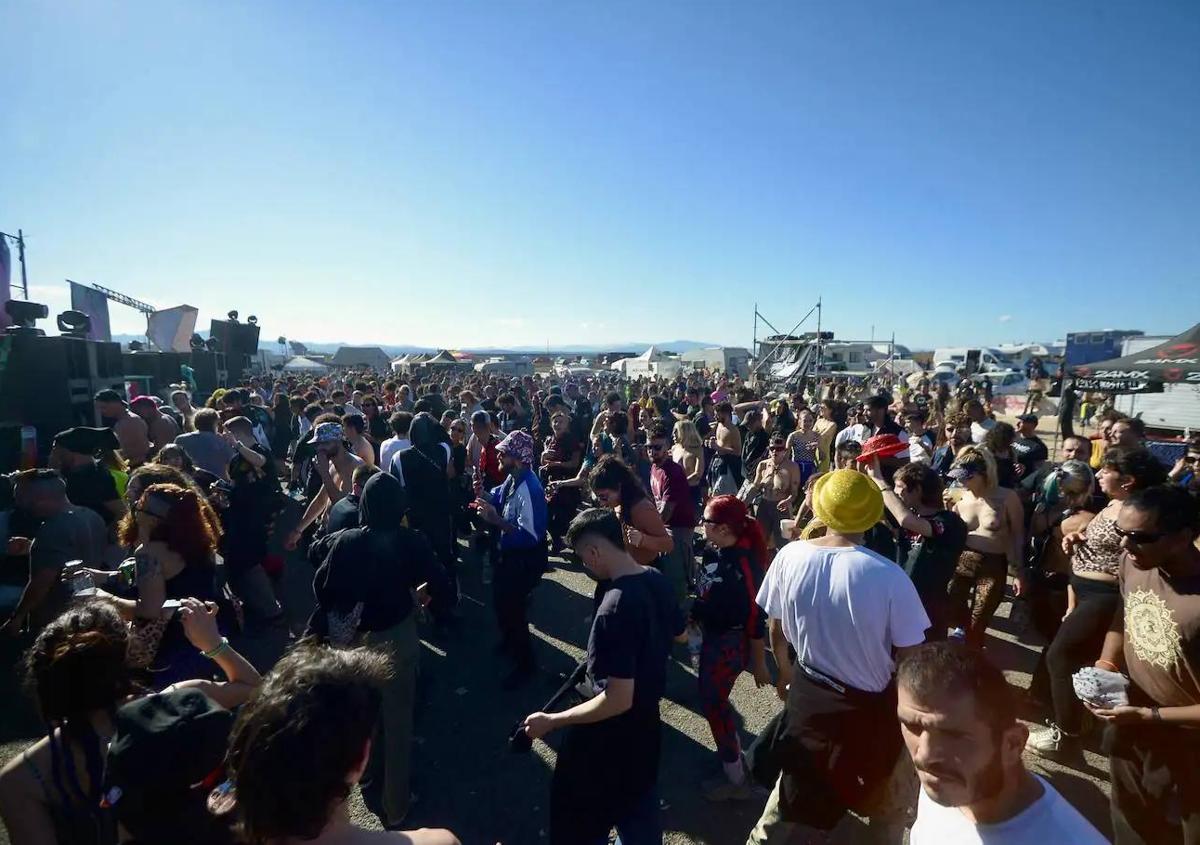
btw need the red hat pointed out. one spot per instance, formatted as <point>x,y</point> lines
<point>882,446</point>
<point>143,402</point>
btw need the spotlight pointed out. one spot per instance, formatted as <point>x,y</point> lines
<point>196,343</point>
<point>252,320</point>
<point>212,345</point>
<point>74,324</point>
<point>136,346</point>
<point>232,315</point>
<point>25,314</point>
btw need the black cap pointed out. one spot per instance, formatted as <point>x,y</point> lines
<point>1028,418</point>
<point>86,440</point>
<point>165,757</point>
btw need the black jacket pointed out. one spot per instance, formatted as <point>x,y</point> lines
<point>378,564</point>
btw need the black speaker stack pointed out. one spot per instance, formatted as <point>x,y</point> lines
<point>48,383</point>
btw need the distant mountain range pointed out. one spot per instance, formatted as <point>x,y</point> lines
<point>674,346</point>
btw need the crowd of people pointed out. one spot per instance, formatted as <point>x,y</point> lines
<point>848,543</point>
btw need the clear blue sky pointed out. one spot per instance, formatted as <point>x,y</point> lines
<point>514,173</point>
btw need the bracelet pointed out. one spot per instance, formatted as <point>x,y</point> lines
<point>220,647</point>
<point>1114,667</point>
<point>1155,716</point>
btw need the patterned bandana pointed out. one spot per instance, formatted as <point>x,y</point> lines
<point>519,445</point>
<point>329,432</point>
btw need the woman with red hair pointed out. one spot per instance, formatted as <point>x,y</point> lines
<point>732,627</point>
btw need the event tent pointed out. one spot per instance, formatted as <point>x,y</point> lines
<point>1176,361</point>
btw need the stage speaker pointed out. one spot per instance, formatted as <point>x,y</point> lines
<point>48,383</point>
<point>235,338</point>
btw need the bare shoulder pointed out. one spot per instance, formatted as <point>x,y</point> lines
<point>16,777</point>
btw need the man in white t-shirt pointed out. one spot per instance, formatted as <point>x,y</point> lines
<point>959,722</point>
<point>401,422</point>
<point>847,612</point>
<point>981,423</point>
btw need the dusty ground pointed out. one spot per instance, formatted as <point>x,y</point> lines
<point>467,780</point>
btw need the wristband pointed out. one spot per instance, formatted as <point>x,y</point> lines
<point>220,647</point>
<point>1155,716</point>
<point>1108,664</point>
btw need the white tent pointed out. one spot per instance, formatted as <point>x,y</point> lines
<point>300,364</point>
<point>651,362</point>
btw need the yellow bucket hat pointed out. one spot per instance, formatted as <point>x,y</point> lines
<point>847,501</point>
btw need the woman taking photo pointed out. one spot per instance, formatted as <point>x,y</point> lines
<point>688,452</point>
<point>1093,595</point>
<point>173,535</point>
<point>995,543</point>
<point>77,673</point>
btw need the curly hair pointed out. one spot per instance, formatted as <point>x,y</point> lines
<point>146,476</point>
<point>312,717</point>
<point>77,663</point>
<point>1138,464</point>
<point>1000,439</point>
<point>184,529</point>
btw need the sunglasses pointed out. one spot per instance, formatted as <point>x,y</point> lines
<point>779,448</point>
<point>1140,538</point>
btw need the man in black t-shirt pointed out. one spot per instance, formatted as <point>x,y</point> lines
<point>1029,449</point>
<point>608,763</point>
<point>89,483</point>
<point>253,499</point>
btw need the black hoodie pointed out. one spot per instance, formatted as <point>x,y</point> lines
<point>379,563</point>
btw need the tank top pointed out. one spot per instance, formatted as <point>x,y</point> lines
<point>1101,551</point>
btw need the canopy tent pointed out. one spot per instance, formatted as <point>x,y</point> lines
<point>650,362</point>
<point>1177,361</point>
<point>442,359</point>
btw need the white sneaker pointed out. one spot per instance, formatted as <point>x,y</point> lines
<point>957,634</point>
<point>1052,743</point>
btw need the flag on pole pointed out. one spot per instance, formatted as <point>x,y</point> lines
<point>5,280</point>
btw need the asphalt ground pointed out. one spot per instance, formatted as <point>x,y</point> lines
<point>466,779</point>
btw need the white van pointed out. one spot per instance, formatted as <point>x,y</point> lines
<point>974,359</point>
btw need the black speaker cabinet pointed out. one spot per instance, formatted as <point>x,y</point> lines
<point>235,338</point>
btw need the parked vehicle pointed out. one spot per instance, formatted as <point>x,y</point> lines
<point>1006,383</point>
<point>972,359</point>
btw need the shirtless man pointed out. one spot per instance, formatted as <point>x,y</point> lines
<point>162,428</point>
<point>727,443</point>
<point>132,432</point>
<point>355,427</point>
<point>995,539</point>
<point>335,464</point>
<point>778,478</point>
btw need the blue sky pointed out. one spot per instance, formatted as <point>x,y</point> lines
<point>467,174</point>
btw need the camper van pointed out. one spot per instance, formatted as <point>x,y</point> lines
<point>505,367</point>
<point>974,359</point>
